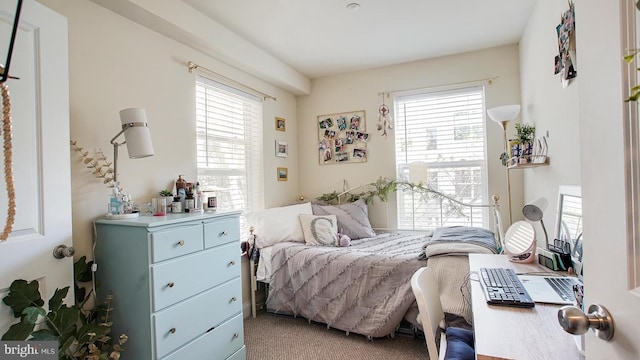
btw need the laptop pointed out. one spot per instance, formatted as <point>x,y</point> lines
<point>550,289</point>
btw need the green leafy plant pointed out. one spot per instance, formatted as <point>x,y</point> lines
<point>383,187</point>
<point>635,90</point>
<point>524,133</point>
<point>81,332</point>
<point>165,193</point>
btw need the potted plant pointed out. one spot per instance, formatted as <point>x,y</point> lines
<point>82,332</point>
<point>525,134</point>
<point>168,195</point>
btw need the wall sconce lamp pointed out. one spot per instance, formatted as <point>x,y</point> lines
<point>136,136</point>
<point>502,115</point>
<point>533,211</point>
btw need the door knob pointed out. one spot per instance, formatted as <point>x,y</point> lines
<point>574,321</point>
<point>62,251</point>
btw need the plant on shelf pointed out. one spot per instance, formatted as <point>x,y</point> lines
<point>525,133</point>
<point>82,332</point>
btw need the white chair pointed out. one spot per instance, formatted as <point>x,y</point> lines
<point>425,289</point>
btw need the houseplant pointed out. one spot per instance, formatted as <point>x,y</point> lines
<point>82,331</point>
<point>525,134</point>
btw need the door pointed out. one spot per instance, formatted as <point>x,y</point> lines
<point>609,258</point>
<point>41,169</point>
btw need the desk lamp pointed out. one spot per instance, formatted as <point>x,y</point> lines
<point>502,115</point>
<point>533,211</point>
<point>136,136</point>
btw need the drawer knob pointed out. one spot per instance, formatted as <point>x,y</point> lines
<point>172,330</point>
<point>236,335</point>
<point>181,242</point>
<point>171,284</point>
<point>224,233</point>
<point>233,299</point>
<point>232,262</point>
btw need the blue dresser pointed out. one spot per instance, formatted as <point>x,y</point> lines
<point>176,282</point>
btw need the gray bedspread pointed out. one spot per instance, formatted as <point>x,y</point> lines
<point>364,288</point>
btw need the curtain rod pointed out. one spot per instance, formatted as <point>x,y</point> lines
<point>191,65</point>
<point>489,80</point>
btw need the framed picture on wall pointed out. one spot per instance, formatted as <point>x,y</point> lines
<point>282,149</point>
<point>281,124</point>
<point>283,174</point>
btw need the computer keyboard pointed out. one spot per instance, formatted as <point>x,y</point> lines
<point>502,287</point>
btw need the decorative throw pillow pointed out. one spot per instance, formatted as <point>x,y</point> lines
<point>353,218</point>
<point>278,224</point>
<point>320,230</point>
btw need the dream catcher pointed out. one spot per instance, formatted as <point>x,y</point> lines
<point>384,118</point>
<point>6,129</point>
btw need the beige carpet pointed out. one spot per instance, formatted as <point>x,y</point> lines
<point>280,337</point>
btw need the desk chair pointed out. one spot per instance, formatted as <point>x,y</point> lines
<point>455,343</point>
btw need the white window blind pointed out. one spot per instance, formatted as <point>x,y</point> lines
<point>445,130</point>
<point>229,145</point>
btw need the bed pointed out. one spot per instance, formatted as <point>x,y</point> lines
<point>362,288</point>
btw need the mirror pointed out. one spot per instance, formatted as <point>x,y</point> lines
<point>520,242</point>
<point>569,222</point>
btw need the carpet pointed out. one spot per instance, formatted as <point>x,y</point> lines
<point>279,337</point>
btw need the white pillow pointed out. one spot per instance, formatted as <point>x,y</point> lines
<point>278,224</point>
<point>320,230</point>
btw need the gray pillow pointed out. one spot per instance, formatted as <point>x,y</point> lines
<point>353,218</point>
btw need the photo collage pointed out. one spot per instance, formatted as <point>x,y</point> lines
<point>342,138</point>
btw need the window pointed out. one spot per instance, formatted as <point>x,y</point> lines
<point>229,145</point>
<point>444,129</point>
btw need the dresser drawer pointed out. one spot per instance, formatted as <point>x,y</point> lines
<point>221,232</point>
<point>177,279</point>
<point>239,355</point>
<point>192,318</point>
<point>177,241</point>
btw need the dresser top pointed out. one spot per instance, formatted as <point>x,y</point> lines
<point>148,220</point>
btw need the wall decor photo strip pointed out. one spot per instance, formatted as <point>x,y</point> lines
<point>342,138</point>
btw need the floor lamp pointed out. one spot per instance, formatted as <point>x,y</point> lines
<point>502,115</point>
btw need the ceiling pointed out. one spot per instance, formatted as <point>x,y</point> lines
<point>322,37</point>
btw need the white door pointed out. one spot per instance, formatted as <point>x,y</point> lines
<point>608,252</point>
<point>40,114</point>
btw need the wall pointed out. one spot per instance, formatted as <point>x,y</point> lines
<point>115,64</point>
<point>360,91</point>
<point>551,108</point>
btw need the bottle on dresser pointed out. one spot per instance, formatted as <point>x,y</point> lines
<point>198,197</point>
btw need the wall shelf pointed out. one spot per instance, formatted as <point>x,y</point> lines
<point>535,161</point>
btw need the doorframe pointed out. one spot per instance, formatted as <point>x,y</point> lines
<point>629,36</point>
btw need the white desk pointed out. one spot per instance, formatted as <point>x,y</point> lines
<point>503,332</point>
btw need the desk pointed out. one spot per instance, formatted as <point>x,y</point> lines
<point>503,332</point>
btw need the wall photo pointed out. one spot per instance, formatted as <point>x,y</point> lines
<point>342,138</point>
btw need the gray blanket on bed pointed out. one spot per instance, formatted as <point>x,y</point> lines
<point>452,240</point>
<point>364,288</point>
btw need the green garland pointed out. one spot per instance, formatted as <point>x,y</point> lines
<point>381,189</point>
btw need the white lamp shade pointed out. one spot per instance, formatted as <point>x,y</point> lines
<point>533,211</point>
<point>137,137</point>
<point>504,113</point>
